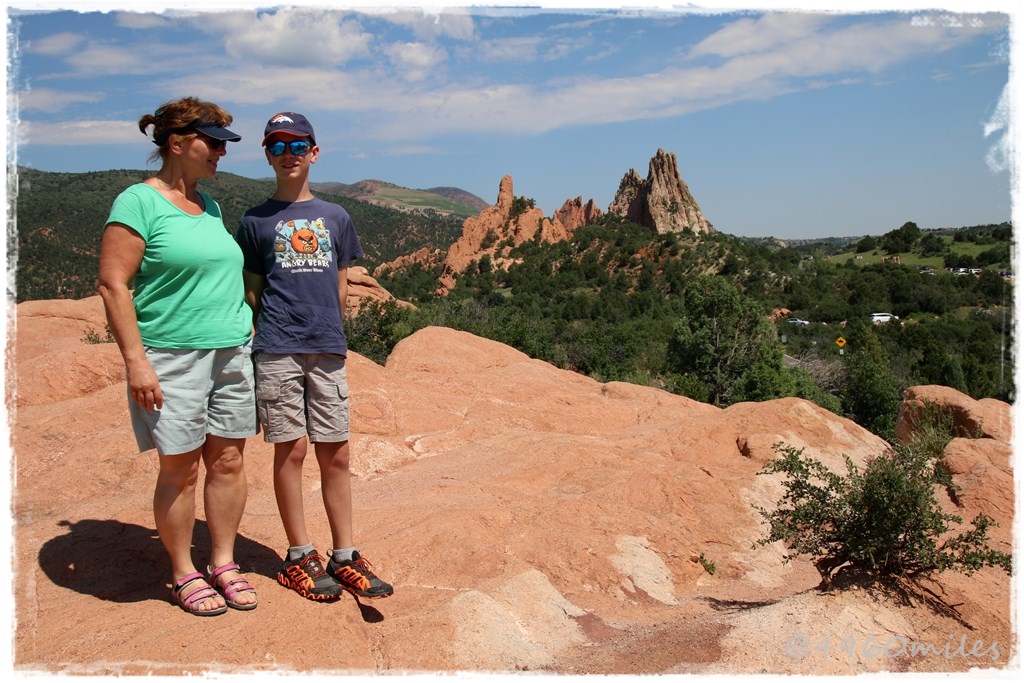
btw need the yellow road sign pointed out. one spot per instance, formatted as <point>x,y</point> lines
<point>840,342</point>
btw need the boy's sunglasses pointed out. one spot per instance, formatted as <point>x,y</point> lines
<point>297,147</point>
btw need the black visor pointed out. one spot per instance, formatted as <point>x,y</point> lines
<point>213,130</point>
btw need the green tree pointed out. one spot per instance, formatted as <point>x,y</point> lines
<point>867,243</point>
<point>902,239</point>
<point>872,394</point>
<point>930,244</point>
<point>725,340</point>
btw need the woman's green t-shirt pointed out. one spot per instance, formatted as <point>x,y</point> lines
<point>188,292</point>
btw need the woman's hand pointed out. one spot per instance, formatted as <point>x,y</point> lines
<point>144,385</point>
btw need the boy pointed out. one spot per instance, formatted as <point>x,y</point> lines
<point>297,249</point>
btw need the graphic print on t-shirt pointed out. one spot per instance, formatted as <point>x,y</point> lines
<point>303,244</point>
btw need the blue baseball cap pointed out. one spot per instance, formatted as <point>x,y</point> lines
<point>289,123</point>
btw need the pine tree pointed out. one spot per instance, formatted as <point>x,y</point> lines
<point>873,393</point>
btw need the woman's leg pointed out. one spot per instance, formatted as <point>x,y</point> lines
<point>224,495</point>
<point>174,509</point>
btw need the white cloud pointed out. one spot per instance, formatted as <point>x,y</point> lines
<point>307,89</point>
<point>79,132</point>
<point>777,56</point>
<point>415,61</point>
<point>520,49</point>
<point>55,45</point>
<point>747,59</point>
<point>451,22</point>
<point>1000,155</point>
<point>804,44</point>
<point>789,54</point>
<point>758,35</point>
<point>140,20</point>
<point>289,37</point>
<point>562,48</point>
<point>50,100</point>
<point>144,58</point>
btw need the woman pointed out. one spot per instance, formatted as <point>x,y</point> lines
<point>184,333</point>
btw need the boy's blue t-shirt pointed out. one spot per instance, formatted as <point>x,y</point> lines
<point>298,248</point>
<point>188,292</point>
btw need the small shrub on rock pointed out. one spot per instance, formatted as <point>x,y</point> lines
<point>882,521</point>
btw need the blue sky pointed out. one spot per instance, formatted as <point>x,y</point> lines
<point>794,124</point>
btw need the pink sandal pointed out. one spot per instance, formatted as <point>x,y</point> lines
<point>191,601</point>
<point>233,587</point>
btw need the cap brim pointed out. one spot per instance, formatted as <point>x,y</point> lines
<point>219,133</point>
<point>288,133</point>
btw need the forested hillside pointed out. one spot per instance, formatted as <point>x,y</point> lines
<point>722,319</point>
<point>60,218</point>
<point>715,317</point>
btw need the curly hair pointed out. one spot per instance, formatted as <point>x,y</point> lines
<point>178,114</point>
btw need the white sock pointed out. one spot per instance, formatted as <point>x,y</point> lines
<point>295,552</point>
<point>342,554</point>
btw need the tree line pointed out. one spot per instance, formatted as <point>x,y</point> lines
<point>694,315</point>
<point>59,219</point>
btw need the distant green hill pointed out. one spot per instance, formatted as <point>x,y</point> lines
<point>444,200</point>
<point>59,219</point>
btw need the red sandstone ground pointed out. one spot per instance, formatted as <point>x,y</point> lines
<point>529,518</point>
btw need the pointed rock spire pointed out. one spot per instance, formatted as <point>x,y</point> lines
<point>662,202</point>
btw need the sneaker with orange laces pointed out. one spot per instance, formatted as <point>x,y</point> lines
<point>356,577</point>
<point>306,576</point>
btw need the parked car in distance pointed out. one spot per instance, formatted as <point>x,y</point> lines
<point>798,321</point>
<point>879,318</point>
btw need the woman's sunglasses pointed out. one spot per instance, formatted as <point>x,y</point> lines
<point>214,144</point>
<point>297,147</point>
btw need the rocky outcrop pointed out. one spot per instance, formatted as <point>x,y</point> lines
<point>363,289</point>
<point>425,257</point>
<point>499,228</point>
<point>977,419</point>
<point>575,214</point>
<point>531,520</point>
<point>662,202</point>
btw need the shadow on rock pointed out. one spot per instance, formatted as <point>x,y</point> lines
<point>371,615</point>
<point>122,562</point>
<point>720,605</point>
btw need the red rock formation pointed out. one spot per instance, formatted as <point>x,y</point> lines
<point>531,519</point>
<point>987,418</point>
<point>427,258</point>
<point>363,289</point>
<point>574,214</point>
<point>662,202</point>
<point>493,232</point>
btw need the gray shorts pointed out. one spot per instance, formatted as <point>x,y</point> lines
<point>302,394</point>
<point>206,391</point>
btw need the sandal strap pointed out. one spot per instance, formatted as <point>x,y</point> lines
<point>230,566</point>
<point>231,589</point>
<point>234,586</point>
<point>197,596</point>
<point>201,593</point>
<point>186,580</point>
